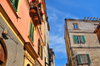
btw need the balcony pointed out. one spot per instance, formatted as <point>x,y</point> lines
<point>36,13</point>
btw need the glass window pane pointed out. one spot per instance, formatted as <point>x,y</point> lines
<point>75,26</point>
<point>96,26</point>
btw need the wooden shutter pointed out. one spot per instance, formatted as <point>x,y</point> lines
<point>83,39</point>
<point>79,59</point>
<point>45,61</point>
<point>12,1</point>
<point>39,46</point>
<point>15,4</point>
<point>67,44</point>
<point>30,31</point>
<point>41,52</point>
<point>88,58</point>
<point>75,38</point>
<point>31,34</point>
<point>70,62</point>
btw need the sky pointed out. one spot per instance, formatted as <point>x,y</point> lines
<point>57,11</point>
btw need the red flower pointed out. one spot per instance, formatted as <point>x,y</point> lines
<point>33,0</point>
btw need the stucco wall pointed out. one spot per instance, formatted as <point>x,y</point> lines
<point>84,26</point>
<point>15,49</point>
<point>93,52</point>
<point>90,38</point>
<point>91,47</point>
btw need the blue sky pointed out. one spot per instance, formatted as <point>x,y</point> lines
<point>57,11</point>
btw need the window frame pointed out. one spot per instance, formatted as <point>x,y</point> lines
<point>32,41</point>
<point>94,26</point>
<point>12,8</point>
<point>87,59</point>
<point>40,49</point>
<point>75,26</point>
<point>84,59</point>
<point>83,40</point>
<point>14,5</point>
<point>79,39</point>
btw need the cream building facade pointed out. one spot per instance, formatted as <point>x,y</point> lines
<point>82,45</point>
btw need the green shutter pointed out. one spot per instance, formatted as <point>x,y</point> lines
<point>88,58</point>
<point>12,1</point>
<point>83,39</point>
<point>15,4</point>
<point>31,34</point>
<point>79,59</point>
<point>41,6</point>
<point>75,38</point>
<point>39,46</point>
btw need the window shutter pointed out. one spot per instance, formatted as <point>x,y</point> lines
<point>88,58</point>
<point>16,3</point>
<point>41,52</point>
<point>32,32</point>
<point>75,38</point>
<point>67,44</point>
<point>41,6</point>
<point>45,61</point>
<point>12,1</point>
<point>39,46</point>
<point>83,39</point>
<point>79,59</point>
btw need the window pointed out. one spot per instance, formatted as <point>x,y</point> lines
<point>39,46</point>
<point>28,64</point>
<point>45,61</point>
<point>95,26</point>
<point>41,52</point>
<point>83,59</point>
<point>40,49</point>
<point>31,34</point>
<point>70,63</point>
<point>67,43</point>
<point>75,26</point>
<point>79,39</point>
<point>15,4</point>
<point>1,54</point>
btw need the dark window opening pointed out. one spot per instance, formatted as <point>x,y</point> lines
<point>75,26</point>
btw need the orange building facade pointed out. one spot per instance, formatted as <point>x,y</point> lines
<point>24,21</point>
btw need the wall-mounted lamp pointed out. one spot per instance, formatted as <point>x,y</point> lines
<point>4,34</point>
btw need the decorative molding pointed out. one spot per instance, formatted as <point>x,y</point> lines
<point>27,55</point>
<point>31,50</point>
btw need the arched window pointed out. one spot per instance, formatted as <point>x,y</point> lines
<point>28,64</point>
<point>1,54</point>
